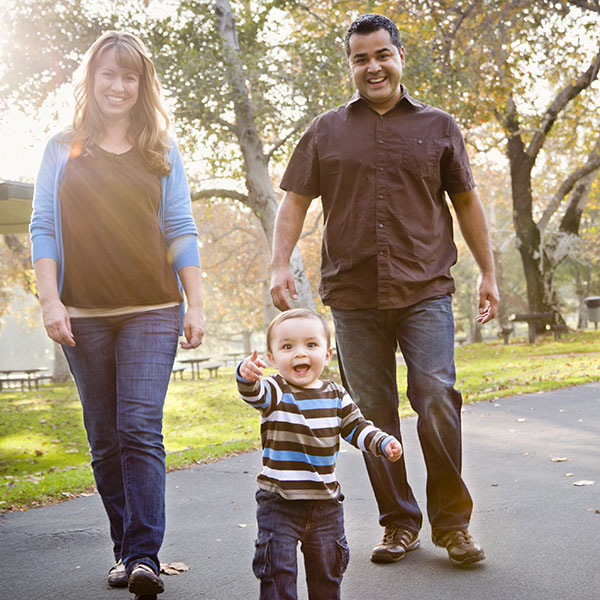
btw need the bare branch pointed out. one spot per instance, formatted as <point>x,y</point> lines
<point>449,37</point>
<point>592,163</point>
<point>563,97</point>
<point>593,5</point>
<point>314,227</point>
<point>220,193</point>
<point>210,116</point>
<point>297,127</point>
<point>312,14</point>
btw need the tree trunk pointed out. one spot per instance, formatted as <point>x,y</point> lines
<point>539,298</point>
<point>261,196</point>
<point>502,308</point>
<point>582,292</point>
<point>247,342</point>
<point>60,369</point>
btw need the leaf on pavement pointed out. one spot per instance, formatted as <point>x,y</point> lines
<point>173,568</point>
<point>558,458</point>
<point>583,482</point>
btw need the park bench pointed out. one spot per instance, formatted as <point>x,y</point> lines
<point>505,333</point>
<point>557,329</point>
<point>531,319</point>
<point>13,382</point>
<point>177,370</point>
<point>22,382</point>
<point>212,368</point>
<point>37,379</point>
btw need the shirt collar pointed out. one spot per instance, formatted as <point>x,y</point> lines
<point>404,96</point>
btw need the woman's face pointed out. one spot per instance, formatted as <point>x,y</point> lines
<point>116,88</point>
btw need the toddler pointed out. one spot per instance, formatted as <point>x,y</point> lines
<point>299,497</point>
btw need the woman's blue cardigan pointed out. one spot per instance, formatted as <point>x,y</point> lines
<point>174,215</point>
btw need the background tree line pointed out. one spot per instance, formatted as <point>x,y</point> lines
<point>244,79</point>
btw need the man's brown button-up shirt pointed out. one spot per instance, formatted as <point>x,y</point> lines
<point>388,239</point>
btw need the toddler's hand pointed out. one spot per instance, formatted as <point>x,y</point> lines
<point>251,367</point>
<point>393,450</point>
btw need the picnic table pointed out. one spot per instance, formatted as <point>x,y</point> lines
<point>532,319</point>
<point>236,357</point>
<point>194,364</point>
<point>21,377</point>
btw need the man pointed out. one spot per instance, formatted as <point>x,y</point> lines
<point>382,164</point>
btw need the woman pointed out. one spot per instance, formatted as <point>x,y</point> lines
<point>114,242</point>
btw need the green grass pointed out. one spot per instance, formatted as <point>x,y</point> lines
<point>44,454</point>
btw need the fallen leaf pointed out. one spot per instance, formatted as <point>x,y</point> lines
<point>521,420</point>
<point>570,474</point>
<point>583,482</point>
<point>242,525</point>
<point>173,568</point>
<point>558,458</point>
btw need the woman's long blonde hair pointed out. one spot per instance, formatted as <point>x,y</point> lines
<point>149,116</point>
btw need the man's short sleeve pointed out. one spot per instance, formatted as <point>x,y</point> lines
<point>302,174</point>
<point>455,168</point>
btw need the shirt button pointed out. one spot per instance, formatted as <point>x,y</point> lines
<point>381,169</point>
<point>379,196</point>
<point>380,141</point>
<point>419,141</point>
<point>380,225</point>
<point>380,253</point>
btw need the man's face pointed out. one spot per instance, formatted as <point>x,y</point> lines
<point>376,66</point>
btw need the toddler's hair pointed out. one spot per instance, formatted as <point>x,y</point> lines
<point>297,313</point>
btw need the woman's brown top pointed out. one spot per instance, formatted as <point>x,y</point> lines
<point>114,250</point>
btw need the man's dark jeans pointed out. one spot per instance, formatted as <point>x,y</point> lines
<point>122,366</point>
<point>366,343</point>
<point>319,526</point>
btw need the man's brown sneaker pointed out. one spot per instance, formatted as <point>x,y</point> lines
<point>462,550</point>
<point>396,542</point>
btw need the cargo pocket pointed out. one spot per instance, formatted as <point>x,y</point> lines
<point>343,555</point>
<point>261,563</point>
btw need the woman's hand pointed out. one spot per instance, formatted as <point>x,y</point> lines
<point>193,327</point>
<point>57,322</point>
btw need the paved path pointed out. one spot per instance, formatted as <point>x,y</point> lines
<point>541,533</point>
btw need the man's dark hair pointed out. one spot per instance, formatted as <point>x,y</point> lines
<point>369,23</point>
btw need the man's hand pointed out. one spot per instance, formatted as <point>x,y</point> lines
<point>489,298</point>
<point>57,322</point>
<point>282,282</point>
<point>193,327</point>
<point>251,367</point>
<point>393,450</point>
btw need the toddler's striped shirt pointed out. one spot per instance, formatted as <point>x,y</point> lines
<point>300,433</point>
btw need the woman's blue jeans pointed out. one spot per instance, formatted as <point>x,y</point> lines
<point>319,526</point>
<point>366,343</point>
<point>122,366</point>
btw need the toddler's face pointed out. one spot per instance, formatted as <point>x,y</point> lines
<point>300,351</point>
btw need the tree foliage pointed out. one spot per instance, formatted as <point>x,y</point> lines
<point>245,78</point>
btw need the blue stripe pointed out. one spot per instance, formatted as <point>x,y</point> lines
<point>312,404</point>
<point>348,438</point>
<point>287,455</point>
